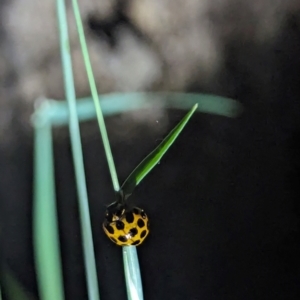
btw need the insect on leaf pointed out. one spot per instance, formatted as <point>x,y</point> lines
<point>140,172</point>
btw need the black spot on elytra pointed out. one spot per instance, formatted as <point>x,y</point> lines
<point>122,238</point>
<point>144,232</point>
<point>109,229</point>
<point>113,239</point>
<point>129,217</point>
<point>133,232</point>
<point>140,223</point>
<point>136,243</point>
<point>120,225</point>
<point>148,225</point>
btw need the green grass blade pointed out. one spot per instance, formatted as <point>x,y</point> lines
<point>140,172</point>
<point>46,242</point>
<point>57,112</point>
<point>85,222</point>
<point>132,273</point>
<point>100,118</point>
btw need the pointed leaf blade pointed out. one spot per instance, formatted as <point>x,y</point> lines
<point>140,172</point>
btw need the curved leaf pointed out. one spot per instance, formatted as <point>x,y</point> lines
<point>57,112</point>
<point>140,172</point>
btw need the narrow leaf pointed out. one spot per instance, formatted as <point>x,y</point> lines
<point>45,226</point>
<point>140,172</point>
<point>85,221</point>
<point>99,114</point>
<point>132,273</point>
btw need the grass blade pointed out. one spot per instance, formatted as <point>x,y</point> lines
<point>86,230</point>
<point>46,242</point>
<point>132,273</point>
<point>58,113</point>
<point>140,172</point>
<point>100,118</point>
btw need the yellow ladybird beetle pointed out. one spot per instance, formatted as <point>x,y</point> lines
<point>125,226</point>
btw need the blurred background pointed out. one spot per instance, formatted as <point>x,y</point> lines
<point>224,202</point>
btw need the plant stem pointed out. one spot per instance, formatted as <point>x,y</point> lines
<point>58,113</point>
<point>46,241</point>
<point>89,256</point>
<point>132,273</point>
<point>94,92</point>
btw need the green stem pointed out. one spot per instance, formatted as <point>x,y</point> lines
<point>89,256</point>
<point>57,112</point>
<point>46,242</point>
<point>94,92</point>
<point>133,279</point>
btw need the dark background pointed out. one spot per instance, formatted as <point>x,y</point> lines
<point>223,203</point>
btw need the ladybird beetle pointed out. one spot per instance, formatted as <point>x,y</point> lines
<point>125,226</point>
